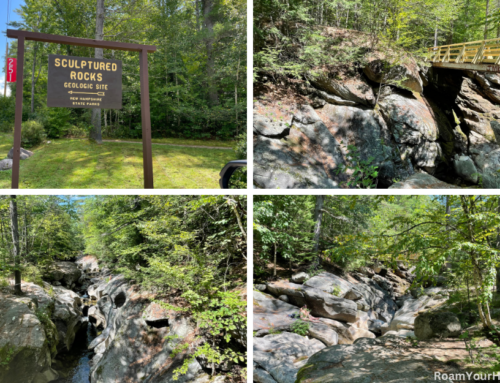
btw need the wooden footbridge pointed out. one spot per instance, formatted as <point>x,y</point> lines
<point>483,56</point>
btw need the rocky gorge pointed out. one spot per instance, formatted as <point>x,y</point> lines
<point>86,325</point>
<point>362,326</point>
<point>418,126</point>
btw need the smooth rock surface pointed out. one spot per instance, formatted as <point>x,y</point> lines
<point>422,181</point>
<point>437,325</point>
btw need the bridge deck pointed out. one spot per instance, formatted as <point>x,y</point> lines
<point>475,55</point>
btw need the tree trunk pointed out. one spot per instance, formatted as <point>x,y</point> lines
<point>208,26</point>
<point>486,20</point>
<point>274,271</point>
<point>15,247</point>
<point>96,133</point>
<point>236,93</point>
<point>436,34</point>
<point>318,216</point>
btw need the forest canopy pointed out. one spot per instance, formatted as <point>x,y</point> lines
<point>291,37</point>
<point>189,252</point>
<point>197,75</point>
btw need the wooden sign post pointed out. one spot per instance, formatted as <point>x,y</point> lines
<point>80,90</point>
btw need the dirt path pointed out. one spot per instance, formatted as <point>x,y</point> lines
<point>182,146</point>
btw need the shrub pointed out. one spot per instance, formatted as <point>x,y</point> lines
<point>58,122</point>
<point>6,127</point>
<point>32,134</point>
<point>300,327</point>
<point>241,146</point>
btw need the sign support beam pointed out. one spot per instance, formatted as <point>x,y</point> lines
<point>147,153</point>
<point>16,157</point>
<point>143,50</point>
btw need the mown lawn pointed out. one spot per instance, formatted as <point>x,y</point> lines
<point>80,164</point>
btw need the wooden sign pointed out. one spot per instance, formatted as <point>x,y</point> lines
<point>83,82</point>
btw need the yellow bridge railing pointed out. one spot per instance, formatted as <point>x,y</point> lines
<point>486,52</point>
<point>89,302</point>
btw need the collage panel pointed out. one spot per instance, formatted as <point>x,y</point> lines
<point>376,288</point>
<point>376,95</point>
<point>112,94</point>
<point>123,288</point>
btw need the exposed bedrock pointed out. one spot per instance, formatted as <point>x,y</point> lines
<point>432,121</point>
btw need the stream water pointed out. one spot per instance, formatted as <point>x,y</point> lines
<point>75,364</point>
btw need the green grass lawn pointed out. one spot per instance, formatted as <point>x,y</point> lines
<point>80,164</point>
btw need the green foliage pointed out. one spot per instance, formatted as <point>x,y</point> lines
<point>241,146</point>
<point>32,134</point>
<point>300,327</point>
<point>6,354</point>
<point>336,291</point>
<point>363,172</point>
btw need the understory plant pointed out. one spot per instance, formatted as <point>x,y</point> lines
<point>300,327</point>
<point>364,172</point>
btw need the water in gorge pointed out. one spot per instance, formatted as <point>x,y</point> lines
<point>74,365</point>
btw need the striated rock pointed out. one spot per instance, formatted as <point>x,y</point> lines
<point>270,313</point>
<point>422,181</point>
<point>370,360</point>
<point>354,89</point>
<point>405,317</point>
<point>281,355</point>
<point>437,325</point>
<point>405,75</point>
<point>24,155</point>
<point>329,283</point>
<point>265,127</point>
<point>320,303</point>
<point>333,99</point>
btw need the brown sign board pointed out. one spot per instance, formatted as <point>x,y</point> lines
<point>83,82</point>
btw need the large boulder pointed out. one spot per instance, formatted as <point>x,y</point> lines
<point>281,356</point>
<point>465,168</point>
<point>272,314</point>
<point>266,127</point>
<point>329,283</point>
<point>404,75</point>
<point>24,155</point>
<point>323,333</point>
<point>67,316</point>
<point>437,325</point>
<point>422,181</point>
<point>25,349</point>
<point>299,277</point>
<point>351,88</point>
<point>65,272</point>
<point>378,360</point>
<point>488,164</point>
<point>320,303</point>
<point>87,263</point>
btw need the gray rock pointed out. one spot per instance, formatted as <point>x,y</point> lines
<point>320,303</point>
<point>401,333</point>
<point>87,263</point>
<point>6,164</point>
<point>354,89</point>
<point>281,355</point>
<point>64,272</point>
<point>260,287</point>
<point>422,181</point>
<point>265,127</point>
<point>488,164</point>
<point>329,283</point>
<point>277,166</point>
<point>24,155</point>
<point>323,333</point>
<point>465,168</point>
<point>334,99</point>
<point>375,326</point>
<point>404,75</point>
<point>283,298</point>
<point>370,360</point>
<point>299,277</point>
<point>270,313</point>
<point>437,325</point>
<point>23,338</point>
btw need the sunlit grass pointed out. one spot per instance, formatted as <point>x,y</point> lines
<point>80,164</point>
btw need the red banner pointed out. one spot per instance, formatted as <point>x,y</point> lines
<point>11,70</point>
